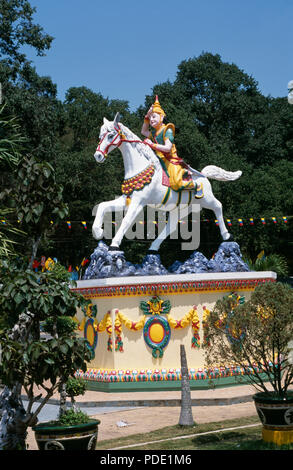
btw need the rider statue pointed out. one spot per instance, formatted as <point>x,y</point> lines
<point>161,139</point>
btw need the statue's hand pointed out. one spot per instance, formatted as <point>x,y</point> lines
<point>150,111</point>
<point>148,142</point>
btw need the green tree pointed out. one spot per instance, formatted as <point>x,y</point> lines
<point>17,28</point>
<point>223,99</point>
<point>255,335</point>
<point>85,111</point>
<point>10,155</point>
<point>31,359</point>
<point>41,115</point>
<point>37,199</point>
<point>221,118</point>
<point>28,96</point>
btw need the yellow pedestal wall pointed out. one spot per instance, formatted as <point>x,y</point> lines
<point>134,355</point>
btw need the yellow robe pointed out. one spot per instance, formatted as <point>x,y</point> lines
<point>175,167</point>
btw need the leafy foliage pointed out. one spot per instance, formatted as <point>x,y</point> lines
<point>11,140</point>
<point>10,156</point>
<point>37,199</point>
<point>75,387</point>
<point>17,28</point>
<point>71,417</point>
<point>255,335</point>
<point>38,195</point>
<point>273,262</point>
<point>30,357</point>
<point>42,294</point>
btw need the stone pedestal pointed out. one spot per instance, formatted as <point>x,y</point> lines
<point>135,326</point>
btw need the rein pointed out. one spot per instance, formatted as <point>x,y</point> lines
<point>122,140</point>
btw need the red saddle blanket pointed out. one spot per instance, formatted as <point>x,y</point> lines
<point>165,179</point>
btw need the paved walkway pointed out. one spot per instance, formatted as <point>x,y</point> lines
<point>217,396</point>
<point>129,413</point>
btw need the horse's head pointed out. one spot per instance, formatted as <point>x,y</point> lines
<point>110,138</point>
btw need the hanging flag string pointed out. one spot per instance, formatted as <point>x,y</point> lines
<point>239,221</point>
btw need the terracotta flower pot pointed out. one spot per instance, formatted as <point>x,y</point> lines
<point>276,415</point>
<point>50,436</point>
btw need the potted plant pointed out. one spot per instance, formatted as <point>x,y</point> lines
<point>40,349</point>
<point>74,429</point>
<point>256,335</point>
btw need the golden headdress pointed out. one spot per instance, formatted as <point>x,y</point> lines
<point>157,107</point>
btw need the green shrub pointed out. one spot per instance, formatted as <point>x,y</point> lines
<point>71,417</point>
<point>75,387</point>
<point>64,325</point>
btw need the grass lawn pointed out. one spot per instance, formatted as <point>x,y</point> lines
<point>245,438</point>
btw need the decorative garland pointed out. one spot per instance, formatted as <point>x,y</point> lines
<point>158,306</point>
<point>138,182</point>
<point>157,331</point>
<point>106,325</point>
<point>206,340</point>
<point>190,317</point>
<point>131,325</point>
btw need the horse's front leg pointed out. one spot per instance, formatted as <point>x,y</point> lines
<point>134,209</point>
<point>118,205</point>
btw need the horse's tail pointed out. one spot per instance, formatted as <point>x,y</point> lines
<point>217,173</point>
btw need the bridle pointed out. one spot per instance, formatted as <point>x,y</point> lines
<point>123,139</point>
<point>119,134</point>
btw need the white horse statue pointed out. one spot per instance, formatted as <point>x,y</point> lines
<point>142,186</point>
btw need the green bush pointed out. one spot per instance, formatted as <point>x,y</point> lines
<point>75,387</point>
<point>64,325</point>
<point>71,417</point>
<point>254,335</point>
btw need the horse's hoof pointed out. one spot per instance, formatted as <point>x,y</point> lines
<point>152,252</point>
<point>229,238</point>
<point>98,233</point>
<point>114,248</point>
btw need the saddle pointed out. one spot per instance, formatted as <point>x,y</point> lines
<point>166,182</point>
<point>165,179</point>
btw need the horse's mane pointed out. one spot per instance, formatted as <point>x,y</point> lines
<point>142,148</point>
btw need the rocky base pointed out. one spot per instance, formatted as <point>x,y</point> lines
<point>228,258</point>
<point>105,263</point>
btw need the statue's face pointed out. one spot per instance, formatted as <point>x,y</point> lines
<point>156,120</point>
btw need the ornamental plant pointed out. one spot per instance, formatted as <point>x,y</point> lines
<point>255,335</point>
<point>33,360</point>
<point>71,416</point>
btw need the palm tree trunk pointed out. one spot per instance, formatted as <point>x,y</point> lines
<point>186,418</point>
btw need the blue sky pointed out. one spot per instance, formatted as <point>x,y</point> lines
<point>123,48</point>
